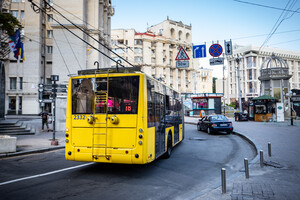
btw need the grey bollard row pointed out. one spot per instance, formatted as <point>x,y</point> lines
<point>269,149</point>
<point>261,153</point>
<point>223,180</point>
<point>246,167</point>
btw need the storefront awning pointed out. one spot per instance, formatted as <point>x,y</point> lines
<point>264,97</point>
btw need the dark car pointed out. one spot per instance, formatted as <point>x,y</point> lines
<point>215,123</point>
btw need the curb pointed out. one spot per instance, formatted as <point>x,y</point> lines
<point>253,161</point>
<point>6,155</point>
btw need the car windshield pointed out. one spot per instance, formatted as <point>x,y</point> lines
<point>218,118</point>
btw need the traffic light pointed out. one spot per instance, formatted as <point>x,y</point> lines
<point>41,90</point>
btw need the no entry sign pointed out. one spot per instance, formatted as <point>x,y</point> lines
<point>215,50</point>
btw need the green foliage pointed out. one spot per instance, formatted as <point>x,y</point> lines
<point>214,84</point>
<point>8,23</point>
<point>232,104</point>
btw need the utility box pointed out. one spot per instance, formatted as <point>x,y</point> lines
<point>8,144</point>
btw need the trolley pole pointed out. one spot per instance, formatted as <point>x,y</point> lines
<point>54,78</point>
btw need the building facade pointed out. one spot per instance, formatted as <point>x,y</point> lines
<point>250,65</point>
<point>155,52</point>
<point>50,49</point>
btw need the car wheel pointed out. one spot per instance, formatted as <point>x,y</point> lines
<point>198,127</point>
<point>208,130</point>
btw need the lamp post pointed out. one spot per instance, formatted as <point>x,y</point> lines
<point>224,98</point>
<point>238,59</point>
<point>289,95</point>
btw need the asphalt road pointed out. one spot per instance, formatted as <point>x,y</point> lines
<point>194,167</point>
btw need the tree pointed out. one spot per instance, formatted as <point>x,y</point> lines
<point>214,84</point>
<point>8,23</point>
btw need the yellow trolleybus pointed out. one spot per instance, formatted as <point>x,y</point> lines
<point>116,116</point>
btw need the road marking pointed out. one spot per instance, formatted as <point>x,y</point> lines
<point>45,174</point>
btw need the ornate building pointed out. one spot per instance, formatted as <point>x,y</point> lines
<point>155,52</point>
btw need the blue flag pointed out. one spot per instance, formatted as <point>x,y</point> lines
<point>18,47</point>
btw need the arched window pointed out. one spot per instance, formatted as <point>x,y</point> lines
<point>172,33</point>
<point>188,37</point>
<point>180,35</point>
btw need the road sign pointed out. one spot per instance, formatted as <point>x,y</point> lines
<point>182,55</point>
<point>216,61</point>
<point>199,51</point>
<point>182,64</point>
<point>228,48</point>
<point>215,50</point>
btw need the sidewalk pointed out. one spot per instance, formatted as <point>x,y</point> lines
<point>39,142</point>
<point>279,181</point>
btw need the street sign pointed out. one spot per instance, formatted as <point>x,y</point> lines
<point>215,50</point>
<point>199,51</point>
<point>280,112</point>
<point>228,48</point>
<point>216,61</point>
<point>182,64</point>
<point>182,55</point>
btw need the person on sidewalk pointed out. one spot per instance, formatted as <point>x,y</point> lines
<point>45,117</point>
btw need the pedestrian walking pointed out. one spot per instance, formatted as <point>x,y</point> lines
<point>45,117</point>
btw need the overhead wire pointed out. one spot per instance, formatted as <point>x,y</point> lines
<point>61,55</point>
<point>71,49</point>
<point>80,19</point>
<point>84,31</point>
<point>84,21</point>
<point>266,6</point>
<point>279,21</point>
<point>36,7</point>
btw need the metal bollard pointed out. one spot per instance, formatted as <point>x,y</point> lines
<point>246,167</point>
<point>223,179</point>
<point>261,153</point>
<point>269,149</point>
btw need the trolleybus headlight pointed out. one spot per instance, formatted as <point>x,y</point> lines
<point>67,141</point>
<point>114,119</point>
<point>140,136</point>
<point>141,130</point>
<point>67,129</point>
<point>69,153</point>
<point>140,142</point>
<point>67,134</point>
<point>91,119</point>
<point>137,155</point>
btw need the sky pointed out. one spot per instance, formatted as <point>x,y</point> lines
<point>218,20</point>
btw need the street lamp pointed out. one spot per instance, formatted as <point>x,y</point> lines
<point>238,59</point>
<point>224,98</point>
<point>289,95</point>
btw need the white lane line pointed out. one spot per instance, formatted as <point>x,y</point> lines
<point>45,174</point>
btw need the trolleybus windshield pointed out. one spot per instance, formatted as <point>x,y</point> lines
<point>122,95</point>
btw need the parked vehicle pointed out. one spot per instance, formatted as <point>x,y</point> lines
<point>240,116</point>
<point>215,123</point>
